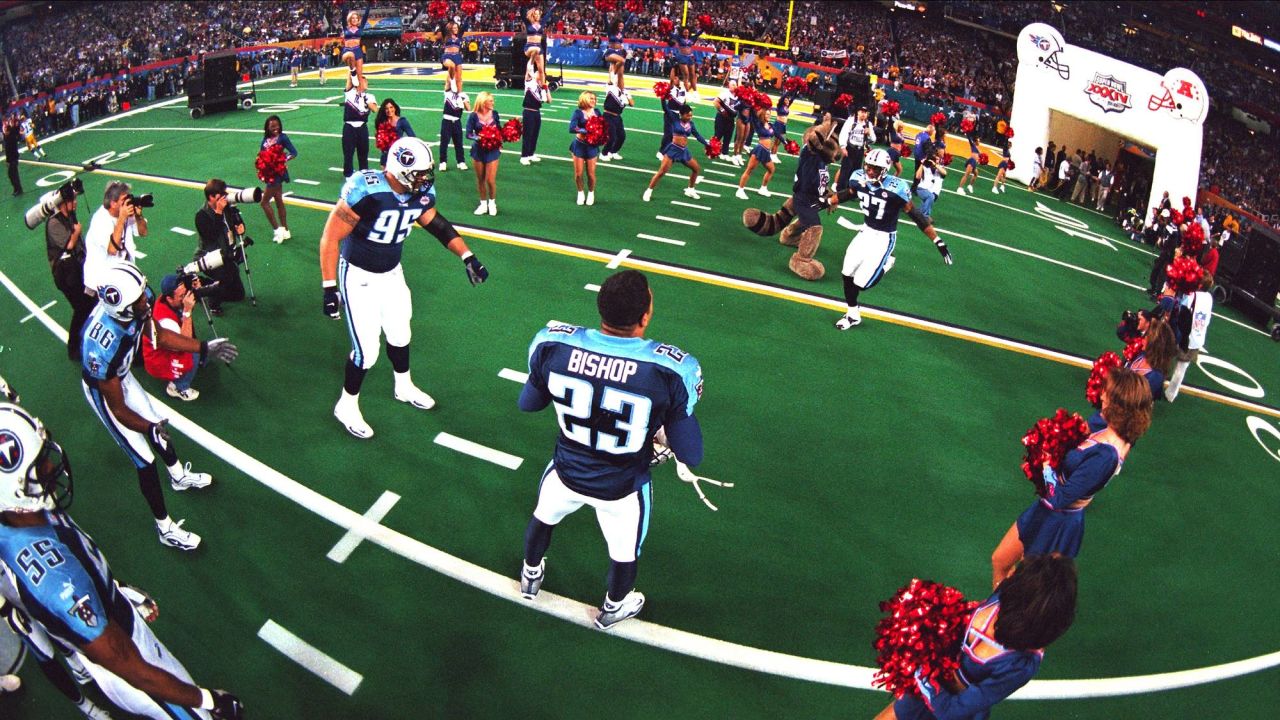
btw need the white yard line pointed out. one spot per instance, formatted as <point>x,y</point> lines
<point>623,254</point>
<point>476,450</point>
<point>659,238</point>
<point>306,655</point>
<point>666,218</point>
<point>513,375</point>
<point>356,535</point>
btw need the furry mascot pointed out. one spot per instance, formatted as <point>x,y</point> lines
<point>798,218</point>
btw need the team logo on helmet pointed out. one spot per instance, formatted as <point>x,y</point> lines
<point>405,157</point>
<point>10,451</point>
<point>1181,93</point>
<point>110,294</point>
<point>1109,93</point>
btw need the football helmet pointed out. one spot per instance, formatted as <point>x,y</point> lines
<point>1182,93</point>
<point>879,161</point>
<point>34,472</point>
<point>1044,46</point>
<point>7,393</point>
<point>409,161</point>
<point>119,287</point>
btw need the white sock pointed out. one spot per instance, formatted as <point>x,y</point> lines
<point>165,523</point>
<point>175,470</point>
<point>403,380</point>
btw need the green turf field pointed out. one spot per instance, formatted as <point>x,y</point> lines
<point>861,459</point>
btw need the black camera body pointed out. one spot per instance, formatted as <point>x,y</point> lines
<point>142,201</point>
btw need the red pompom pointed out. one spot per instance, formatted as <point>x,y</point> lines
<point>983,158</point>
<point>1048,441</point>
<point>795,85</point>
<point>606,6</point>
<point>271,165</point>
<point>438,9</point>
<point>1184,275</point>
<point>386,135</point>
<point>843,101</point>
<point>1175,217</point>
<point>1098,376</point>
<point>665,26</point>
<point>713,148</point>
<point>1193,239</point>
<point>921,631</point>
<point>947,158</point>
<point>791,146</point>
<point>512,130</point>
<point>705,23</point>
<point>1008,131</point>
<point>966,125</point>
<point>889,108</point>
<point>937,119</point>
<point>597,131</point>
<point>635,6</point>
<point>1134,348</point>
<point>469,7</point>
<point>489,138</point>
<point>760,101</point>
<point>1008,164</point>
<point>662,90</point>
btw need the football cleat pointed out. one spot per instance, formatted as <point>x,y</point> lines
<point>348,413</point>
<point>172,534</point>
<point>190,480</point>
<point>184,395</point>
<point>415,397</point>
<point>849,319</point>
<point>612,613</point>
<point>531,579</point>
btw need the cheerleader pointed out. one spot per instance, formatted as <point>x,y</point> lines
<point>352,51</point>
<point>726,104</point>
<point>682,61</point>
<point>295,62</point>
<point>616,100</point>
<point>584,154</point>
<point>678,151</point>
<point>455,103</point>
<point>485,162</point>
<point>1003,645</point>
<point>783,111</point>
<point>389,112</point>
<point>273,134</point>
<point>451,55</point>
<point>1055,523</point>
<point>322,62</point>
<point>746,131</point>
<point>533,39</point>
<point>764,153</point>
<point>1158,354</point>
<point>615,53</point>
<point>970,165</point>
<point>531,116</point>
<point>671,105</point>
<point>28,129</point>
<point>997,187</point>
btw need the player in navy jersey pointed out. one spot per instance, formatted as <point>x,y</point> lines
<point>769,135</point>
<point>368,228</point>
<point>584,154</point>
<point>535,96</point>
<point>451,55</point>
<point>455,103</point>
<point>55,585</point>
<point>1003,644</point>
<point>677,150</point>
<point>121,320</point>
<point>616,100</point>
<point>1054,523</point>
<point>870,254</point>
<point>352,49</point>
<point>612,390</point>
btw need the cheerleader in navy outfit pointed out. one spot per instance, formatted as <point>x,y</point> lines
<point>534,37</point>
<point>485,162</point>
<point>763,153</point>
<point>616,100</point>
<point>1055,522</point>
<point>971,165</point>
<point>783,115</point>
<point>897,144</point>
<point>531,117</point>
<point>1003,645</point>
<point>1156,359</point>
<point>455,103</point>
<point>746,131</point>
<point>678,151</point>
<point>670,111</point>
<point>615,53</point>
<point>998,185</point>
<point>352,51</point>
<point>682,61</point>
<point>389,111</point>
<point>273,134</point>
<point>451,55</point>
<point>584,154</point>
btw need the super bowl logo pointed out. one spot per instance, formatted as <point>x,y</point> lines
<point>1108,93</point>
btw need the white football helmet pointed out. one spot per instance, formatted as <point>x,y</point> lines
<point>409,161</point>
<point>1182,93</point>
<point>34,472</point>
<point>119,287</point>
<point>7,393</point>
<point>1044,46</point>
<point>879,160</point>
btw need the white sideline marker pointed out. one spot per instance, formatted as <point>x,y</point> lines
<point>305,182</point>
<point>354,536</point>
<point>476,450</point>
<point>682,203</point>
<point>591,287</point>
<point>46,306</point>
<point>183,231</point>
<point>709,193</point>
<point>336,169</point>
<point>657,238</point>
<point>299,651</point>
<point>678,220</point>
<point>623,254</point>
<point>719,172</point>
<point>513,375</point>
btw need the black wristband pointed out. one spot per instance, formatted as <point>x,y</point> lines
<point>204,347</point>
<point>442,229</point>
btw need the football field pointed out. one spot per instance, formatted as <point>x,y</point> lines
<point>342,578</point>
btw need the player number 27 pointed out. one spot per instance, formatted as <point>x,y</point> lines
<point>866,201</point>
<point>575,399</point>
<point>393,226</point>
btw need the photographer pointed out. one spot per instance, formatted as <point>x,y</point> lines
<point>10,130</point>
<point>215,223</point>
<point>172,312</point>
<point>112,230</point>
<point>66,260</point>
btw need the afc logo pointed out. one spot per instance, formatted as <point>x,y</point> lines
<point>1108,93</point>
<point>10,451</point>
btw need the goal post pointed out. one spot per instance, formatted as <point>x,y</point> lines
<point>692,8</point>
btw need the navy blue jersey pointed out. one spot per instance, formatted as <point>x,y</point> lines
<point>611,395</point>
<point>532,96</point>
<point>812,176</point>
<point>684,45</point>
<point>614,101</point>
<point>882,201</point>
<point>617,42</point>
<point>355,106</point>
<point>386,217</point>
<point>454,105</point>
<point>62,581</point>
<point>108,345</point>
<point>578,121</point>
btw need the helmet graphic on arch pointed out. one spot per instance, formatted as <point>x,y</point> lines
<point>409,161</point>
<point>1182,93</point>
<point>119,287</point>
<point>1043,45</point>
<point>34,472</point>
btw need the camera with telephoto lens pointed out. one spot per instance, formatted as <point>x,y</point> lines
<point>48,203</point>
<point>142,201</point>
<point>244,195</point>
<point>205,263</point>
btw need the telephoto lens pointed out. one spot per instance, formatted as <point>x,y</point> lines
<point>246,195</point>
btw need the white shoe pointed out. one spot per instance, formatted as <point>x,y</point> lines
<point>972,191</point>
<point>605,157</point>
<point>852,317</point>
<point>189,480</point>
<point>415,397</point>
<point>591,197</point>
<point>741,194</point>
<point>277,236</point>
<point>9,683</point>
<point>493,207</point>
<point>615,156</point>
<point>698,180</point>
<point>691,193</point>
<point>658,155</point>
<point>463,166</point>
<point>612,613</point>
<point>888,264</point>
<point>348,413</point>
<point>995,190</point>
<point>184,395</point>
<point>444,166</point>
<point>535,158</point>
<point>764,191</point>
<point>482,208</point>
<point>582,197</point>
<point>531,579</point>
<point>648,194</point>
<point>773,157</point>
<point>286,234</point>
<point>525,161</point>
<point>172,534</point>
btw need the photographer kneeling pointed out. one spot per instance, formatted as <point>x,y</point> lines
<point>172,311</point>
<point>219,224</point>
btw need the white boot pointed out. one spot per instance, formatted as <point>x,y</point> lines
<point>347,411</point>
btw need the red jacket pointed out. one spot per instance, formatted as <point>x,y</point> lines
<point>159,362</point>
